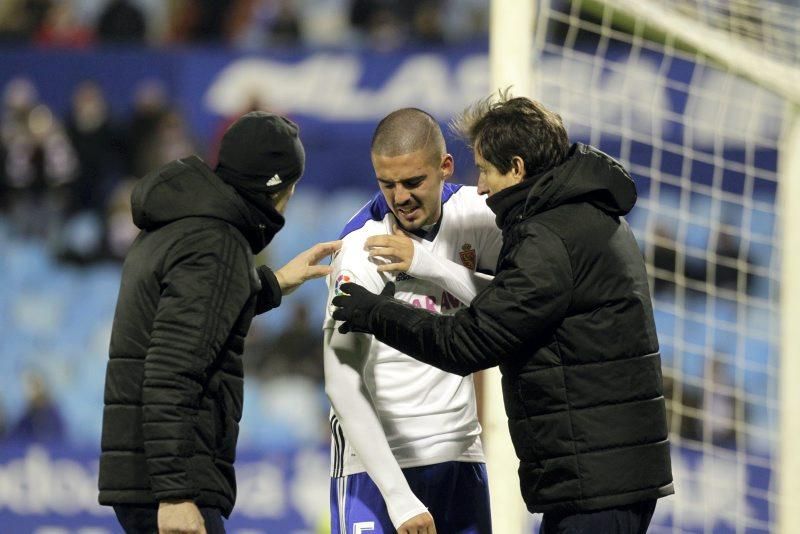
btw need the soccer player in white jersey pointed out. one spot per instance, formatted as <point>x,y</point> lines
<point>406,451</point>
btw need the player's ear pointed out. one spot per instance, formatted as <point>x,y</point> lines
<point>447,166</point>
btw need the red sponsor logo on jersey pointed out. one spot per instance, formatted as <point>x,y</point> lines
<point>468,256</point>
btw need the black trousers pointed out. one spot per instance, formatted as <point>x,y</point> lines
<point>631,519</point>
<point>137,519</point>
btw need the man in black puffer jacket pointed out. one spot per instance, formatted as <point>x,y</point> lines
<point>174,382</point>
<point>568,319</point>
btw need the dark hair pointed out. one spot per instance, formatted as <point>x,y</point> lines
<point>500,128</point>
<point>408,130</point>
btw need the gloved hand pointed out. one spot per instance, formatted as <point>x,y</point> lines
<point>355,307</point>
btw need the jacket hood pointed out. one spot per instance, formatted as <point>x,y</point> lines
<point>188,188</point>
<point>587,175</point>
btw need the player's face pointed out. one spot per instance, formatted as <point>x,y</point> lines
<point>491,180</point>
<point>412,185</point>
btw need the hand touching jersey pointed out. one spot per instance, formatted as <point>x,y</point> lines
<point>419,524</point>
<point>400,253</point>
<point>397,247</point>
<point>305,266</point>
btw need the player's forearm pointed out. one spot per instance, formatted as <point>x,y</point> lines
<point>456,279</point>
<point>362,428</point>
<point>452,343</point>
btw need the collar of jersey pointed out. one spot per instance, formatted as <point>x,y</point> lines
<point>430,233</point>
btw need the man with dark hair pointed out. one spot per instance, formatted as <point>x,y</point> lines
<point>190,288</point>
<point>406,448</point>
<point>568,319</point>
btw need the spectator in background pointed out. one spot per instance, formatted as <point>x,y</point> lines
<point>41,420</point>
<point>200,21</point>
<point>665,263</point>
<point>119,227</point>
<point>20,19</point>
<point>387,24</point>
<point>19,98</point>
<point>427,26</point>
<point>260,23</point>
<point>684,408</point>
<point>706,409</point>
<point>297,349</point>
<point>150,106</point>
<point>721,269</point>
<point>100,163</point>
<point>171,140</point>
<point>284,26</point>
<point>39,162</point>
<point>256,357</point>
<point>731,260</point>
<point>465,20</point>
<point>725,407</point>
<point>96,142</point>
<point>61,28</point>
<point>122,22</point>
<point>382,23</point>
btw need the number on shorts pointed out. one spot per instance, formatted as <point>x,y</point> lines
<point>363,526</point>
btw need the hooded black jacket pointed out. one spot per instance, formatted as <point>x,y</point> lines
<point>173,392</point>
<point>568,319</point>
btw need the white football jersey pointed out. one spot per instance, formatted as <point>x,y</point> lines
<point>428,415</point>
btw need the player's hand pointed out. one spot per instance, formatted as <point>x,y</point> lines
<point>180,517</point>
<point>419,524</point>
<point>305,266</point>
<point>355,306</point>
<point>397,247</point>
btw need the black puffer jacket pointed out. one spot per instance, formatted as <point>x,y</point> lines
<point>173,393</point>
<point>569,321</point>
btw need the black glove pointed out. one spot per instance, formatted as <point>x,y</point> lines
<point>355,307</point>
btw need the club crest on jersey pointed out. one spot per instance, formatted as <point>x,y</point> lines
<point>468,256</point>
<point>343,278</point>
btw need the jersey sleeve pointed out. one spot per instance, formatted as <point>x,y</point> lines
<point>350,264</point>
<point>344,357</point>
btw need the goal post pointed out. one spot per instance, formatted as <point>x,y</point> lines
<point>510,58</point>
<point>789,455</point>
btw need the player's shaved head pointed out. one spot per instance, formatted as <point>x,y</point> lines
<point>405,131</point>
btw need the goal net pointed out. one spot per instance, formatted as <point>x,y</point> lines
<point>694,97</point>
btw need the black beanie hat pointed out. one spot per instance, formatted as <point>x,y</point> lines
<point>261,152</point>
